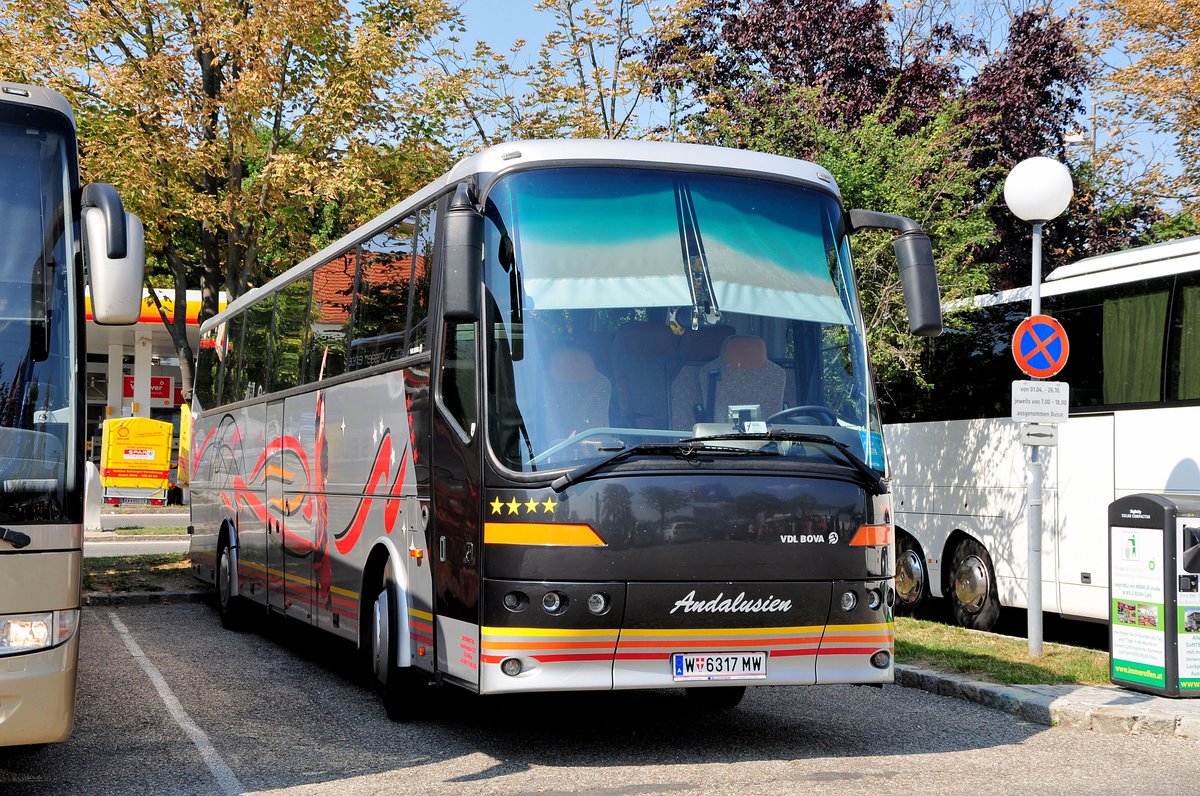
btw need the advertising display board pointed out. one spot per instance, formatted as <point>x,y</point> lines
<point>1154,594</point>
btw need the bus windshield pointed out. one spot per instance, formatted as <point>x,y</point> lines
<point>634,305</point>
<point>36,357</point>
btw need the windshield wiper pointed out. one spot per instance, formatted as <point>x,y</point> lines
<point>872,476</point>
<point>683,450</point>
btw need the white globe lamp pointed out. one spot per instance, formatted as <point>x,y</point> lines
<point>1038,190</point>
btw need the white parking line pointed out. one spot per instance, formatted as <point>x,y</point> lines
<point>224,775</point>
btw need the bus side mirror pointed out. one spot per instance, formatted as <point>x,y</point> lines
<point>114,246</point>
<point>918,275</point>
<point>462,267</point>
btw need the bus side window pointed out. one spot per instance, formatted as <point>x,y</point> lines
<point>329,319</point>
<point>288,339</point>
<point>458,376</point>
<point>418,289</point>
<point>1185,347</point>
<point>381,303</point>
<point>257,347</point>
<point>208,369</point>
<point>232,385</point>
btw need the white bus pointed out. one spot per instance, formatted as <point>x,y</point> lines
<point>578,415</point>
<point>959,470</point>
<point>53,230</point>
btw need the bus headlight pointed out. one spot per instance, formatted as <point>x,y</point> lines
<point>30,632</point>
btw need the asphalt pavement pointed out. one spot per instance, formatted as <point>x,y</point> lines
<point>1102,709</point>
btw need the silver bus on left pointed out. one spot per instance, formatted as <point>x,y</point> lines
<point>55,232</point>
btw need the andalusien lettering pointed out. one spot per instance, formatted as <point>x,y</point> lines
<point>736,605</point>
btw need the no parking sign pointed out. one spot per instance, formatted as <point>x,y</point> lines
<point>1040,346</point>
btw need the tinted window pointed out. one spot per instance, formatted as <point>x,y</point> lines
<point>256,348</point>
<point>208,370</point>
<point>458,375</point>
<point>291,324</point>
<point>1184,372</point>
<point>382,296</point>
<point>332,292</point>
<point>232,382</point>
<point>1117,337</point>
<point>968,370</point>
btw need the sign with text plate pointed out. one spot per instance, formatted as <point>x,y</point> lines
<point>1044,434</point>
<point>1040,401</point>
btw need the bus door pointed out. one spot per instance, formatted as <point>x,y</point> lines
<point>291,539</point>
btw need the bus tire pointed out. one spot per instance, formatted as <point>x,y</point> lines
<point>716,698</point>
<point>912,576</point>
<point>230,608</point>
<point>404,690</point>
<point>973,596</point>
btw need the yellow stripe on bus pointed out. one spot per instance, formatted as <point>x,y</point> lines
<point>419,614</point>
<point>723,631</point>
<point>541,534</point>
<point>548,632</point>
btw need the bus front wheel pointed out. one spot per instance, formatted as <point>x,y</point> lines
<point>404,690</point>
<point>973,595</point>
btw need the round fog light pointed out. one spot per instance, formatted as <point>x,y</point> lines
<point>515,601</point>
<point>881,659</point>
<point>874,599</point>
<point>598,603</point>
<point>512,666</point>
<point>849,601</point>
<point>553,602</point>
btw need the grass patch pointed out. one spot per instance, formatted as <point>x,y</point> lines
<point>993,658</point>
<point>154,572</point>
<point>137,530</point>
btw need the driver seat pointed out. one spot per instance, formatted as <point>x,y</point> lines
<point>742,375</point>
<point>577,396</point>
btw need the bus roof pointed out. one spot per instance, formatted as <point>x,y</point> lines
<point>36,96</point>
<point>1129,265</point>
<point>1127,258</point>
<point>491,163</point>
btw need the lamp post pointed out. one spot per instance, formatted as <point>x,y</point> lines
<point>1037,191</point>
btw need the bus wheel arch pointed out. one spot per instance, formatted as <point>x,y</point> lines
<point>912,574</point>
<point>970,583</point>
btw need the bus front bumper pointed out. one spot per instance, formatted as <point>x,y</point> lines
<point>37,695</point>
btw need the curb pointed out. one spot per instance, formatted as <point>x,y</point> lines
<point>1102,709</point>
<point>96,598</point>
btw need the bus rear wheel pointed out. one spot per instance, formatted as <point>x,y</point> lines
<point>717,698</point>
<point>912,578</point>
<point>405,691</point>
<point>973,596</point>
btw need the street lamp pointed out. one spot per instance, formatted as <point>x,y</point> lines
<point>1037,190</point>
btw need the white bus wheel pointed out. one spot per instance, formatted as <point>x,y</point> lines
<point>912,577</point>
<point>973,595</point>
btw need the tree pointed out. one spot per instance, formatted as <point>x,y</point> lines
<point>238,130</point>
<point>1156,80</point>
<point>585,80</point>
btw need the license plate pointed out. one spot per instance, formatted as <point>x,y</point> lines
<point>135,502</point>
<point>719,666</point>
